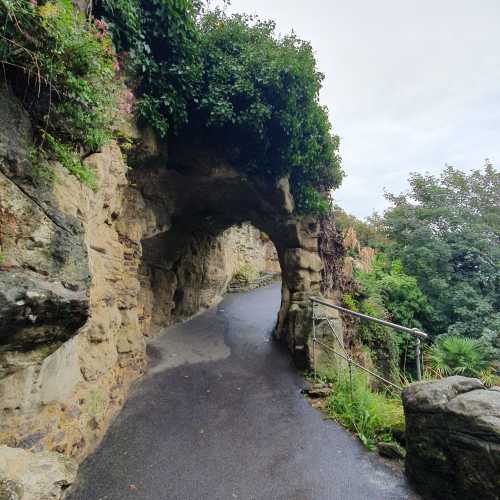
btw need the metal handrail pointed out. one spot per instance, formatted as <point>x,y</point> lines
<point>412,331</point>
<point>350,360</point>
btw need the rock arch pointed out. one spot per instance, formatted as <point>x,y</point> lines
<point>200,193</point>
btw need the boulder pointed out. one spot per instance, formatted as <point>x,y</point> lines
<point>453,439</point>
<point>34,476</point>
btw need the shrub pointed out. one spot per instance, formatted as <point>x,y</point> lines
<point>454,355</point>
<point>246,274</point>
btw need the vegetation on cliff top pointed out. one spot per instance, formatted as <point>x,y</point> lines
<point>252,93</point>
<point>62,65</point>
<point>249,91</point>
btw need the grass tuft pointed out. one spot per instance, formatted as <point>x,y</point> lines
<point>373,416</point>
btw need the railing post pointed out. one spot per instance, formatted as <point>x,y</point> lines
<point>314,338</point>
<point>350,375</point>
<point>417,358</point>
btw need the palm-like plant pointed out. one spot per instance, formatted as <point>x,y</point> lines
<point>454,355</point>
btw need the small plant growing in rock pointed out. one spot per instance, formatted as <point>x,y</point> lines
<point>62,65</point>
<point>374,416</point>
<point>246,274</point>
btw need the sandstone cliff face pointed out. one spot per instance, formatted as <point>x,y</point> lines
<point>70,341</point>
<point>173,291</point>
<point>86,275</point>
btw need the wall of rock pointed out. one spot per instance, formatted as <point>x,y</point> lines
<point>70,342</point>
<point>453,439</point>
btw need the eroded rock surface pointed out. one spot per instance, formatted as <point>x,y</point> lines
<point>34,476</point>
<point>44,274</point>
<point>453,438</point>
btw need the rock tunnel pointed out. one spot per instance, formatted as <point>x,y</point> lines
<point>82,270</point>
<point>191,198</point>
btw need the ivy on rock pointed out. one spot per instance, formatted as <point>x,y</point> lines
<point>229,79</point>
<point>235,80</point>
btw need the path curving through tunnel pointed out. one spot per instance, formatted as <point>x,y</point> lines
<point>219,415</point>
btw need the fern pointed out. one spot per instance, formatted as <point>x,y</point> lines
<point>454,355</point>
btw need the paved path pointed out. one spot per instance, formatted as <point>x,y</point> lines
<point>220,416</point>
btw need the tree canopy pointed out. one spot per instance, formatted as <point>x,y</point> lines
<point>438,266</point>
<point>446,231</point>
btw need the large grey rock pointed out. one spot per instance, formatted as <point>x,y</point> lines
<point>34,476</point>
<point>453,439</point>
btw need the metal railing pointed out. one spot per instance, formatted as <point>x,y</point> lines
<point>346,355</point>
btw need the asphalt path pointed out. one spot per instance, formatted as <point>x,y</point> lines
<point>220,415</point>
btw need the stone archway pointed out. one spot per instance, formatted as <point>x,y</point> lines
<point>195,196</point>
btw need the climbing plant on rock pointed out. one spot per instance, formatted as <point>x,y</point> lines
<point>260,93</point>
<point>233,79</point>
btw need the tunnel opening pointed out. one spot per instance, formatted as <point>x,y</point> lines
<point>184,274</point>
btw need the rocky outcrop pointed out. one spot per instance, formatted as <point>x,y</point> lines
<point>453,439</point>
<point>44,274</point>
<point>248,246</point>
<point>34,476</point>
<point>70,342</point>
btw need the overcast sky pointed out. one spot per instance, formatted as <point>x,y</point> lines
<point>410,84</point>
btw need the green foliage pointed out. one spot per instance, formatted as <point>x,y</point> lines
<point>367,233</point>
<point>386,292</point>
<point>373,416</point>
<point>70,160</point>
<point>454,355</point>
<point>234,82</point>
<point>246,274</point>
<point>261,94</point>
<point>394,291</point>
<point>62,64</point>
<point>349,302</point>
<point>446,232</point>
<point>159,42</point>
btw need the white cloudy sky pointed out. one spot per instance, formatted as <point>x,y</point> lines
<point>411,85</point>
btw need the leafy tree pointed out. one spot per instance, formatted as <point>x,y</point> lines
<point>446,231</point>
<point>368,234</point>
<point>386,292</point>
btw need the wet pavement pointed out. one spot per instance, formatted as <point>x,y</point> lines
<point>220,415</point>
